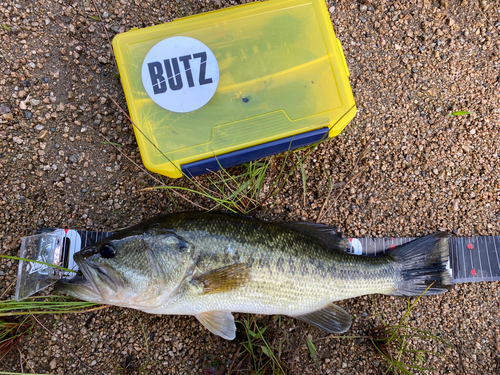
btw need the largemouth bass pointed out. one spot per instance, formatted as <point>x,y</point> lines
<point>212,264</point>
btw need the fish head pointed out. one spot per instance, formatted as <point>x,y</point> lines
<point>139,270</point>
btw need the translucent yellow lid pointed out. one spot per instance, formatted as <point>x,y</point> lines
<point>223,81</point>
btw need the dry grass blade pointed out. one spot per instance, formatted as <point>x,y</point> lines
<point>16,317</point>
<point>261,354</point>
<point>143,169</point>
<point>11,333</point>
<point>106,32</point>
<point>292,362</point>
<point>234,359</point>
<point>396,344</point>
<point>235,193</point>
<point>139,129</point>
<point>128,158</point>
<point>357,171</point>
<point>304,178</point>
<point>325,210</point>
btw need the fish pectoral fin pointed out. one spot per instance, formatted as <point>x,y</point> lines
<point>331,318</point>
<point>223,279</point>
<point>220,323</point>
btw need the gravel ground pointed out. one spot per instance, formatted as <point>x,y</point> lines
<point>411,63</point>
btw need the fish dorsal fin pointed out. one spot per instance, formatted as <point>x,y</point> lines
<point>223,279</point>
<point>220,323</point>
<point>329,235</point>
<point>331,318</point>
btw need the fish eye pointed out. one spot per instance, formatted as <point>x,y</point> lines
<point>108,251</point>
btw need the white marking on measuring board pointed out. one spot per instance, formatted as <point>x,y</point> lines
<point>355,246</point>
<point>464,256</point>
<point>180,74</point>
<point>479,256</point>
<point>375,246</point>
<point>472,268</point>
<point>75,243</point>
<point>488,254</point>
<point>496,251</point>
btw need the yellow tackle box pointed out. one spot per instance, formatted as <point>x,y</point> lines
<point>234,85</point>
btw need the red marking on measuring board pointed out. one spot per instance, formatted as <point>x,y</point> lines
<point>472,272</point>
<point>66,231</point>
<point>350,239</point>
<point>393,246</point>
<point>470,246</point>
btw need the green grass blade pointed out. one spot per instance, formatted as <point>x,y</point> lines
<point>312,351</point>
<point>459,113</point>
<point>403,341</point>
<point>45,305</point>
<point>427,334</point>
<point>405,316</point>
<point>389,360</point>
<point>273,357</point>
<point>36,261</point>
<point>112,143</point>
<point>266,351</point>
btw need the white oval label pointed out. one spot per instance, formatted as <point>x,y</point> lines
<point>180,74</point>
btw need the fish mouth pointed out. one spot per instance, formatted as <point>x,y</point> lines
<point>79,287</point>
<point>93,284</point>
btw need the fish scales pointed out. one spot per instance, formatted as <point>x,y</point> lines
<point>211,264</point>
<point>276,256</point>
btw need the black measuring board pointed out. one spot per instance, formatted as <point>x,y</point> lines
<point>75,240</point>
<point>472,259</point>
<point>475,259</point>
<point>91,237</point>
<point>87,237</point>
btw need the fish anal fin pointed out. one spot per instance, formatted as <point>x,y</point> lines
<point>220,323</point>
<point>223,279</point>
<point>331,318</point>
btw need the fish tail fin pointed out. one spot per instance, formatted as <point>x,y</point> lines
<point>422,263</point>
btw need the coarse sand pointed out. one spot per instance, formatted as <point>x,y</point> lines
<point>404,169</point>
